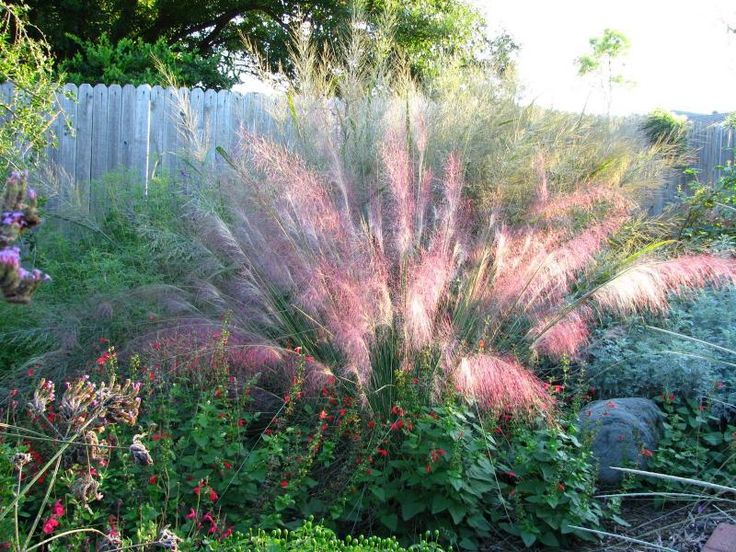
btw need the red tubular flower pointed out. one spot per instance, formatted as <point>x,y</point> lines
<point>428,468</point>
<point>398,424</point>
<point>284,483</point>
<point>371,424</point>
<point>323,415</point>
<point>57,510</point>
<point>382,452</point>
<point>153,480</point>
<point>50,525</point>
<point>192,514</point>
<point>213,495</point>
<point>646,452</point>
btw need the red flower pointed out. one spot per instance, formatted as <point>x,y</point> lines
<point>671,397</point>
<point>287,398</point>
<point>241,422</point>
<point>226,533</point>
<point>50,525</point>
<point>324,427</point>
<point>382,452</point>
<point>511,475</point>
<point>371,424</point>
<point>30,372</point>
<point>57,509</point>
<point>331,380</point>
<point>213,528</point>
<point>369,471</point>
<point>323,415</point>
<point>103,340</point>
<point>415,381</point>
<point>436,454</point>
<point>227,465</point>
<point>284,483</point>
<point>720,385</point>
<point>398,424</point>
<point>218,392</point>
<point>561,487</point>
<point>198,488</point>
<point>192,514</point>
<point>342,412</point>
<point>153,480</point>
<point>558,388</point>
<point>156,345</point>
<point>646,452</point>
<point>611,404</point>
<point>428,468</point>
<point>213,495</point>
<point>397,411</point>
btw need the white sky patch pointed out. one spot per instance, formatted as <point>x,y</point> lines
<point>682,55</point>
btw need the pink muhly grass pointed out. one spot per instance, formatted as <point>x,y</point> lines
<point>430,277</point>
<point>585,198</point>
<point>501,384</point>
<point>647,285</point>
<point>565,336</point>
<point>400,177</point>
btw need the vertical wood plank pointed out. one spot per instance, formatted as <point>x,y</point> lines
<point>182,139</point>
<point>210,124</point>
<point>114,127</point>
<point>83,161</point>
<point>159,116</point>
<point>100,136</point>
<point>127,128</point>
<point>198,139</point>
<point>67,135</point>
<point>168,134</point>
<point>223,123</point>
<point>141,127</point>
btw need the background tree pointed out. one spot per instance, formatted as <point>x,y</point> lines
<point>423,30</point>
<point>605,61</point>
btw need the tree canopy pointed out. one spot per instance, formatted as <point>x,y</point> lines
<point>423,29</point>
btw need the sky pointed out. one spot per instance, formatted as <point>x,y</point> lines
<point>682,56</point>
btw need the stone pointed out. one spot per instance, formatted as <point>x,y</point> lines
<point>623,432</point>
<point>723,539</point>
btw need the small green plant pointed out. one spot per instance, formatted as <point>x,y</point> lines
<point>549,486</point>
<point>695,444</point>
<point>664,127</point>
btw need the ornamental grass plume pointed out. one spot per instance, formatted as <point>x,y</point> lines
<point>313,265</point>
<point>351,237</point>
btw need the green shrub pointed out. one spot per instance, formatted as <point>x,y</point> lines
<point>664,127</point>
<point>695,444</point>
<point>31,108</point>
<point>633,360</point>
<point>313,537</point>
<point>133,61</point>
<point>551,484</point>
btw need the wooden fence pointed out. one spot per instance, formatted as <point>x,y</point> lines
<point>145,129</point>
<point>713,143</point>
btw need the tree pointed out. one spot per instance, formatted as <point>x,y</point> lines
<point>607,51</point>
<point>424,29</point>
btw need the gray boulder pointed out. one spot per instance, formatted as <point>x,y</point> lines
<point>623,432</point>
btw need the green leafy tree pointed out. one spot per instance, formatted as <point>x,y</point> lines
<point>133,61</point>
<point>604,61</point>
<point>423,29</point>
<point>30,108</point>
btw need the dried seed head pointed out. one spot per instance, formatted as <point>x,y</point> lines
<point>140,453</point>
<point>168,540</point>
<point>110,542</point>
<point>119,403</point>
<point>85,489</point>
<point>20,459</point>
<point>76,400</point>
<point>42,396</point>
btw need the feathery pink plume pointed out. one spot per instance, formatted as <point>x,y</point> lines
<point>647,286</point>
<point>564,337</point>
<point>501,385</point>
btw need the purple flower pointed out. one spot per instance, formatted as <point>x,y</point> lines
<point>10,256</point>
